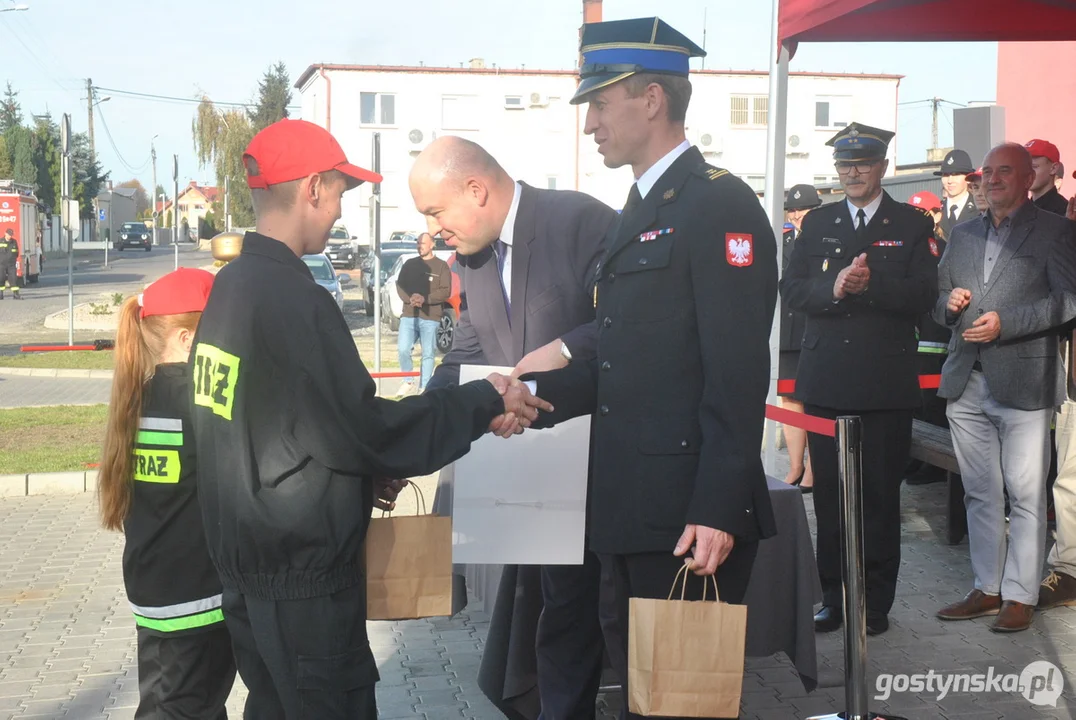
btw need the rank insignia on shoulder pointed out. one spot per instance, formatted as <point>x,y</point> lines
<point>655,234</point>
<point>669,194</point>
<point>889,243</point>
<point>739,249</point>
<point>715,173</point>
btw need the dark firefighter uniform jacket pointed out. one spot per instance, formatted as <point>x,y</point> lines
<point>685,297</point>
<point>290,434</point>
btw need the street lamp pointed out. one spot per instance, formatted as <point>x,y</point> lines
<point>15,8</point>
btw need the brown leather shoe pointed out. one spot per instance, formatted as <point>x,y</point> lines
<point>1056,590</point>
<point>975,604</point>
<point>1013,617</point>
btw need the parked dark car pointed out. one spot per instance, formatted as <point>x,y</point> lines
<point>342,250</point>
<point>133,234</point>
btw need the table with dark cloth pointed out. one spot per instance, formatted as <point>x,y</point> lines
<point>780,598</point>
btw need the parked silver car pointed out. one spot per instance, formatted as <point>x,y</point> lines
<point>324,274</point>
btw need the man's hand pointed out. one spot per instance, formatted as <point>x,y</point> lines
<point>958,300</point>
<point>711,548</point>
<point>417,300</point>
<point>853,280</point>
<point>986,329</point>
<point>1070,213</point>
<point>547,357</point>
<point>520,406</point>
<point>386,491</point>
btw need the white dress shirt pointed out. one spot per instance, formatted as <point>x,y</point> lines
<point>958,202</point>
<point>507,234</point>
<point>649,178</point>
<point>868,211</point>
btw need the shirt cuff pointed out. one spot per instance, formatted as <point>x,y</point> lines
<point>532,385</point>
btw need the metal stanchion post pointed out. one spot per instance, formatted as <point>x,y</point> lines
<point>850,468</point>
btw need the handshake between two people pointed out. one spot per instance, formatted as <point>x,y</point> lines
<point>521,407</point>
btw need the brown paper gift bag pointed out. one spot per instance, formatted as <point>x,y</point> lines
<point>685,658</point>
<point>409,566</point>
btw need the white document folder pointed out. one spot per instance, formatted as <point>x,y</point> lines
<point>521,501</point>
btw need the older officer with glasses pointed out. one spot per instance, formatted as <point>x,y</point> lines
<point>863,271</point>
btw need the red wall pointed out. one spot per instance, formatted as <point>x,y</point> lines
<point>1038,91</point>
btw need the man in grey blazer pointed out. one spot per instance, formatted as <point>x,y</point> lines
<point>526,258</point>
<point>1006,283</point>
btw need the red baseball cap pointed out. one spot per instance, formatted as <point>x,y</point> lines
<point>975,174</point>
<point>1044,148</point>
<point>181,291</point>
<point>925,200</point>
<point>293,149</point>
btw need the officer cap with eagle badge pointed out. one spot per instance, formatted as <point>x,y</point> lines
<point>618,49</point>
<point>802,197</point>
<point>860,142</point>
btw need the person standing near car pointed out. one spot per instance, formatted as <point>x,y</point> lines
<point>9,256</point>
<point>424,285</point>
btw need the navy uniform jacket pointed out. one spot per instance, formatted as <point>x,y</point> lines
<point>792,322</point>
<point>556,244</point>
<point>686,293</point>
<point>968,212</point>
<point>860,353</point>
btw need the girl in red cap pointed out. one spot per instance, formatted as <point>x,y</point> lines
<point>147,487</point>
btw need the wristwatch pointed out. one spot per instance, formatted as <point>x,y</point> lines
<point>564,352</point>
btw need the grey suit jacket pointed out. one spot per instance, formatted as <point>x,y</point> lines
<point>557,243</point>
<point>1031,288</point>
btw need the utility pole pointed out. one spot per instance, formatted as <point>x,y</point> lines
<point>227,207</point>
<point>65,210</point>
<point>89,117</point>
<point>175,207</point>
<point>156,215</point>
<point>934,103</point>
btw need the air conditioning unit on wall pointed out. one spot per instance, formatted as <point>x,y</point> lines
<point>796,144</point>
<point>708,141</point>
<point>539,100</point>
<point>419,138</point>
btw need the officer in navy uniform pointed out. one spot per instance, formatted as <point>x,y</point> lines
<point>685,297</point>
<point>863,273</point>
<point>958,205</point>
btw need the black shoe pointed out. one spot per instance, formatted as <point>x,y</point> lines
<point>828,619</point>
<point>16,295</point>
<point>877,623</point>
<point>926,475</point>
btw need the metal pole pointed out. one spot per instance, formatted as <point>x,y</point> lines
<point>175,207</point>
<point>376,199</point>
<point>227,211</point>
<point>65,197</point>
<point>156,215</point>
<point>776,132</point>
<point>110,230</point>
<point>849,474</point>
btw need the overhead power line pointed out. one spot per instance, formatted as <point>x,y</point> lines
<point>171,99</point>
<point>111,142</point>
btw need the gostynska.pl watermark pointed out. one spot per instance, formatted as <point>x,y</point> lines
<point>1040,683</point>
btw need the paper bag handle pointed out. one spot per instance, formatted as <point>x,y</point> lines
<point>420,500</point>
<point>683,586</point>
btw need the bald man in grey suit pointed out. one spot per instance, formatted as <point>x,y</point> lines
<point>1006,285</point>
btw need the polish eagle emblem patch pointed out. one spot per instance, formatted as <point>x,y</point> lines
<point>739,249</point>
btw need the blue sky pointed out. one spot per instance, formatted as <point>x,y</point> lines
<point>165,49</point>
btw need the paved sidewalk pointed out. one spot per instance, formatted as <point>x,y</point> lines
<point>67,639</point>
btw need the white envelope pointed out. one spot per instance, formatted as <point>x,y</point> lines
<point>521,501</point>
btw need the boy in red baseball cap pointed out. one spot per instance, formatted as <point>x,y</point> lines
<point>291,440</point>
<point>147,487</point>
<point>1045,159</point>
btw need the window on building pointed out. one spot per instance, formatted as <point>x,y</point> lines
<point>551,182</point>
<point>377,108</point>
<point>459,112</point>
<point>749,110</point>
<point>513,102</point>
<point>199,207</point>
<point>832,111</point>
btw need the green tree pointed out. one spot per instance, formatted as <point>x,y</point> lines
<point>5,159</point>
<point>10,110</point>
<point>87,175</point>
<point>46,155</point>
<point>220,138</point>
<point>274,96</point>
<point>23,168</point>
<point>141,197</point>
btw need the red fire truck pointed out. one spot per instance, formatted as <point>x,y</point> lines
<point>19,212</point>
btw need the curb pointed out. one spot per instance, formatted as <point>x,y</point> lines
<point>56,483</point>
<point>57,373</point>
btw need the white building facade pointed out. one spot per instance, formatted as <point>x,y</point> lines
<point>523,118</point>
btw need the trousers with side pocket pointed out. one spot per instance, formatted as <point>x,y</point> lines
<point>305,659</point>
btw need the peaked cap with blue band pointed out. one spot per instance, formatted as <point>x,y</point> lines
<point>618,49</point>
<point>860,142</point>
